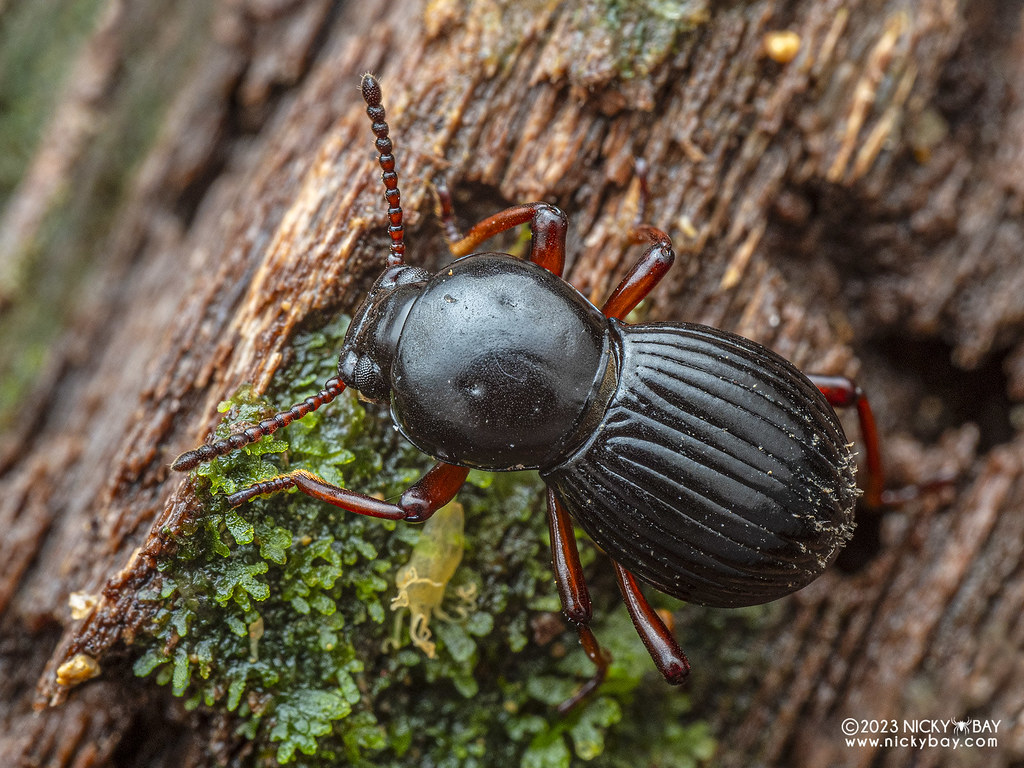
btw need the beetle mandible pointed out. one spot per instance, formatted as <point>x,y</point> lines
<point>701,462</point>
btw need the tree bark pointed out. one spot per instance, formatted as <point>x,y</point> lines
<point>857,209</point>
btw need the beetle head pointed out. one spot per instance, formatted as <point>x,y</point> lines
<point>364,363</point>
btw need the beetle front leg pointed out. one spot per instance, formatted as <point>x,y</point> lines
<point>575,598</point>
<point>431,492</point>
<point>548,226</point>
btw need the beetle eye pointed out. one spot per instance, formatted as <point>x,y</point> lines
<point>368,380</point>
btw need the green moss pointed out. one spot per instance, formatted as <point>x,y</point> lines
<point>277,612</point>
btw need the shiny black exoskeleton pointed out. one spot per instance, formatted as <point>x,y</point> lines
<point>699,461</point>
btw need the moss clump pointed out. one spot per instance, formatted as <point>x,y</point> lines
<point>277,613</point>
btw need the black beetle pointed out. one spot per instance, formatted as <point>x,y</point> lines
<point>698,460</point>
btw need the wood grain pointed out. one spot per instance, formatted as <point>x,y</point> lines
<point>858,209</point>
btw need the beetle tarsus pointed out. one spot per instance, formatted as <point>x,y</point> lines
<point>446,211</point>
<point>601,659</point>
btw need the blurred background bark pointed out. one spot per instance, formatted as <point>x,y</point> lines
<point>202,183</point>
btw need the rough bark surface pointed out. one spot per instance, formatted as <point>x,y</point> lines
<point>858,209</point>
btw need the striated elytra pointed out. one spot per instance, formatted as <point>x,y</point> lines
<point>702,463</point>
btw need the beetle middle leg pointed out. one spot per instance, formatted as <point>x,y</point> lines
<point>431,492</point>
<point>653,264</point>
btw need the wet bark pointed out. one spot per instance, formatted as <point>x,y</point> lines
<point>858,209</point>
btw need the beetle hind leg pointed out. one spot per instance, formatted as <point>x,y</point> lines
<point>668,657</point>
<point>841,392</point>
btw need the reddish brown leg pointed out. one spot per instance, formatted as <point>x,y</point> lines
<point>446,212</point>
<point>420,501</point>
<point>640,168</point>
<point>547,224</point>
<point>668,657</point>
<point>645,274</point>
<point>601,659</point>
<point>565,557</point>
<point>842,392</point>
<point>572,590</point>
<point>191,459</point>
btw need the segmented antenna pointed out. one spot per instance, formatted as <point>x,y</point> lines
<point>192,459</point>
<point>374,110</point>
